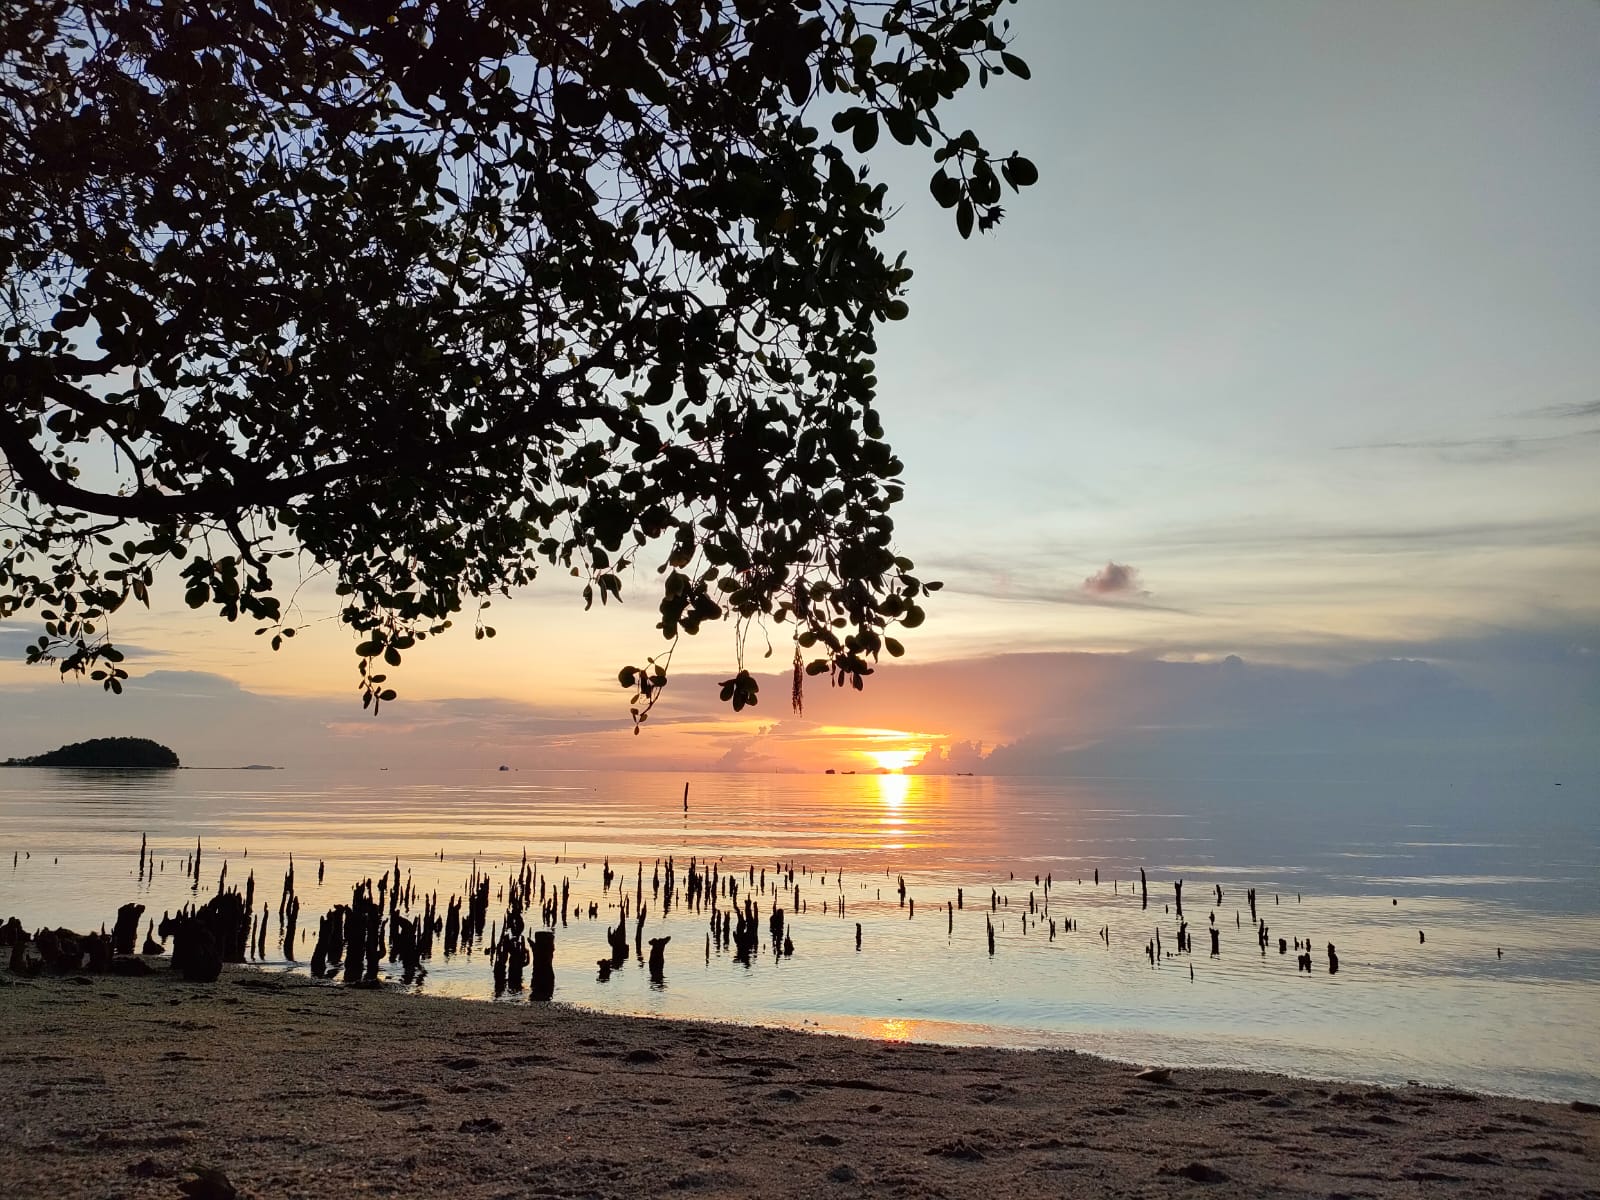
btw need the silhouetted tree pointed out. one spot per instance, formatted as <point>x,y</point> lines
<point>434,294</point>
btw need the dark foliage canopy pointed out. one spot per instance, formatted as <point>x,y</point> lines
<point>116,753</point>
<point>429,295</point>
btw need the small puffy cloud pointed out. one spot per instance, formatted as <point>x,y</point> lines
<point>1113,581</point>
<point>190,683</point>
<point>748,756</point>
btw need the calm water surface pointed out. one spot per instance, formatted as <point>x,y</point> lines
<point>1481,868</point>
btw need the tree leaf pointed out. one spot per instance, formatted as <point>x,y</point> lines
<point>864,134</point>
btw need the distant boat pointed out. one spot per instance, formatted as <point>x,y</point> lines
<point>503,767</point>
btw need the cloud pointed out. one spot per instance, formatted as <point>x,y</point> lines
<point>211,720</point>
<point>1020,582</point>
<point>1033,574</point>
<point>796,744</point>
<point>1503,448</point>
<point>15,640</point>
<point>1385,718</point>
<point>1114,581</point>
<point>1496,700</point>
<point>191,684</point>
<point>1577,412</point>
<point>953,758</point>
<point>1562,531</point>
<point>749,752</point>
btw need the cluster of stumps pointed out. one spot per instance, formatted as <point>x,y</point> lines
<point>389,920</point>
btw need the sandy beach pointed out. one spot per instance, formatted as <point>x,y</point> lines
<point>125,1086</point>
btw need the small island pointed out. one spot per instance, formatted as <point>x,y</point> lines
<point>112,754</point>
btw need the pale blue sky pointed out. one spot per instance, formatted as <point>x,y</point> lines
<point>1287,321</point>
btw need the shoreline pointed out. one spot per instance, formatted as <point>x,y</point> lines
<point>295,972</point>
<point>291,1087</point>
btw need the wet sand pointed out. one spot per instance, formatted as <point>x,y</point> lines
<point>120,1086</point>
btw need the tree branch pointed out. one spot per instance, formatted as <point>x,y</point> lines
<point>228,501</point>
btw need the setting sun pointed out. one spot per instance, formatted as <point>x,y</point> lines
<point>894,760</point>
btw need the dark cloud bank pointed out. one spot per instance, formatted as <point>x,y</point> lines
<point>1506,704</point>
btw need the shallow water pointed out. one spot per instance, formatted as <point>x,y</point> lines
<point>1364,867</point>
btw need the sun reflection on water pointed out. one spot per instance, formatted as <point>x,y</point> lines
<point>895,820</point>
<point>893,790</point>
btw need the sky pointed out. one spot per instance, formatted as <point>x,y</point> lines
<point>1263,435</point>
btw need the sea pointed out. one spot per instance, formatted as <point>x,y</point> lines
<point>1465,915</point>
